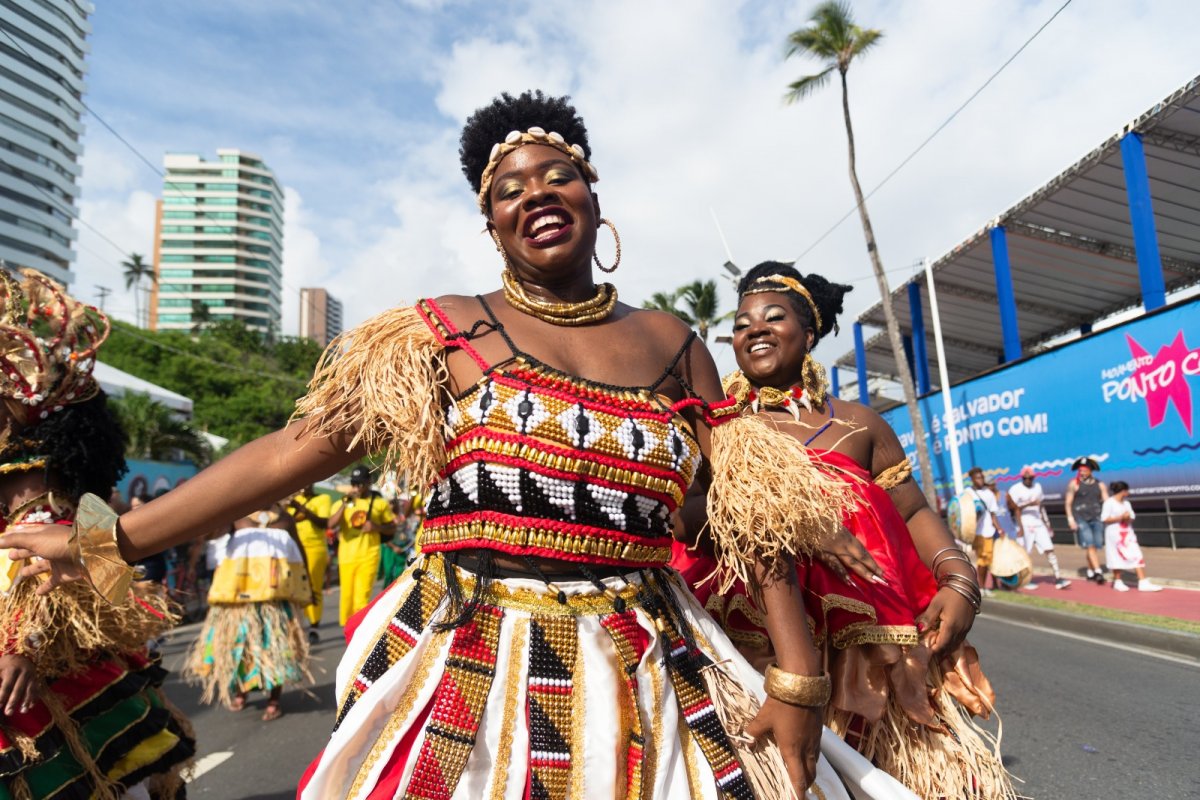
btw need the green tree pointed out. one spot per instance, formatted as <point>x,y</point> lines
<point>156,433</point>
<point>137,271</point>
<point>833,37</point>
<point>201,316</point>
<point>700,305</point>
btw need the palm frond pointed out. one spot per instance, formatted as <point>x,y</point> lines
<point>836,21</point>
<point>799,90</point>
<point>810,42</point>
<point>864,40</point>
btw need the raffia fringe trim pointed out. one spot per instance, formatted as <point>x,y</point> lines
<point>104,787</point>
<point>894,475</point>
<point>59,631</point>
<point>962,760</point>
<point>769,501</point>
<point>736,708</point>
<point>246,626</point>
<point>383,384</point>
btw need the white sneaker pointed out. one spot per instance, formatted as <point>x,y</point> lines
<point>1144,585</point>
<point>1119,585</point>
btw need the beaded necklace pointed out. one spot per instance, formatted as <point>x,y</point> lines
<point>593,309</point>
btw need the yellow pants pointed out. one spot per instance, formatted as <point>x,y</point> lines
<point>316,554</point>
<point>358,578</point>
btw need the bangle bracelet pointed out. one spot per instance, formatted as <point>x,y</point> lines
<point>942,562</point>
<point>94,547</point>
<point>798,690</point>
<point>975,601</point>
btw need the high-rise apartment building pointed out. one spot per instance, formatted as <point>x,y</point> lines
<point>320,315</point>
<point>42,49</point>
<point>218,250</point>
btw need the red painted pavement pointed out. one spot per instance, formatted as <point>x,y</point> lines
<point>1170,602</point>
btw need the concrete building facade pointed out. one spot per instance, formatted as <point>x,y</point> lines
<point>320,315</point>
<point>43,44</point>
<point>218,249</point>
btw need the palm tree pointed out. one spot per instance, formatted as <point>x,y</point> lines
<point>156,433</point>
<point>137,270</point>
<point>833,37</point>
<point>700,305</point>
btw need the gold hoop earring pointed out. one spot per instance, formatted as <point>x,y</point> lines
<point>617,239</point>
<point>500,249</point>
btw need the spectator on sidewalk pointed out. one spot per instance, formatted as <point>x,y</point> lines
<point>1085,499</point>
<point>1121,549</point>
<point>987,526</point>
<point>1025,501</point>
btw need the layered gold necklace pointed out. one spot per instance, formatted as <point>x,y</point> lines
<point>591,310</point>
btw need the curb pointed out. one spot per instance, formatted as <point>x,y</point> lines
<point>1178,643</point>
<point>1079,574</point>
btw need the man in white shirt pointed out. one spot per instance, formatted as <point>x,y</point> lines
<point>1025,502</point>
<point>987,526</point>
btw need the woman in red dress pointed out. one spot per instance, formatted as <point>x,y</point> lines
<point>905,682</point>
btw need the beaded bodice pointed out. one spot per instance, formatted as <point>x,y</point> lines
<point>543,463</point>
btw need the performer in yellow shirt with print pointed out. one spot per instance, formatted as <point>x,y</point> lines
<point>311,511</point>
<point>361,518</point>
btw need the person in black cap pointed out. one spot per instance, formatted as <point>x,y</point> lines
<point>362,518</point>
<point>1085,498</point>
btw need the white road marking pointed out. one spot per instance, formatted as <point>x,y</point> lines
<point>1141,651</point>
<point>207,763</point>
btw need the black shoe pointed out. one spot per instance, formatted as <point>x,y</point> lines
<point>313,636</point>
<point>1099,577</point>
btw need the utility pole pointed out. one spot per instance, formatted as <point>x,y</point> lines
<point>104,292</point>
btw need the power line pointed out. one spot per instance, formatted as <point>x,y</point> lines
<point>936,131</point>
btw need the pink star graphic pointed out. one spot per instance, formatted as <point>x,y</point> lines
<point>1164,381</point>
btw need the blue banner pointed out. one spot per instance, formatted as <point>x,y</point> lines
<point>153,477</point>
<point>1124,396</point>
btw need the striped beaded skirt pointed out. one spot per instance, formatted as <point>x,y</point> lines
<point>558,693</point>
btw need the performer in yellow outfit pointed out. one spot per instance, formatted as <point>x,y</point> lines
<point>361,518</point>
<point>311,512</point>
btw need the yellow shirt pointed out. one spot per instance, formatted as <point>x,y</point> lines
<point>311,534</point>
<point>354,544</point>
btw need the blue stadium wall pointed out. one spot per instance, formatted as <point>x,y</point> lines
<point>1127,396</point>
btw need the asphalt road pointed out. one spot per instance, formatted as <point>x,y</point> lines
<point>240,757</point>
<point>1083,720</point>
<point>1080,720</point>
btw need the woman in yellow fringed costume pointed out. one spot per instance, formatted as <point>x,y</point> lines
<point>252,638</point>
<point>540,645</point>
<point>905,683</point>
<point>81,709</point>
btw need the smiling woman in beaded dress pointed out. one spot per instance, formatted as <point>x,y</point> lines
<point>541,646</point>
<point>905,683</point>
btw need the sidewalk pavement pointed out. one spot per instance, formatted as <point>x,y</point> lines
<point>1178,571</point>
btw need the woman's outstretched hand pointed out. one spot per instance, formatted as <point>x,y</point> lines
<point>49,543</point>
<point>797,731</point>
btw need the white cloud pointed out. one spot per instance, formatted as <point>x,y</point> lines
<point>684,106</point>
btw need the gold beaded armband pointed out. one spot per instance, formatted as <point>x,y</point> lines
<point>94,547</point>
<point>798,690</point>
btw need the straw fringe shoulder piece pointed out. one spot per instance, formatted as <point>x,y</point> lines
<point>769,502</point>
<point>384,382</point>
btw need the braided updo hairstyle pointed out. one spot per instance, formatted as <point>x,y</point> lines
<point>825,294</point>
<point>489,125</point>
<point>84,448</point>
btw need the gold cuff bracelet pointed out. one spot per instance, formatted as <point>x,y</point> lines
<point>94,548</point>
<point>798,690</point>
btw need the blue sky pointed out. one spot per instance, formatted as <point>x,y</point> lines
<point>357,106</point>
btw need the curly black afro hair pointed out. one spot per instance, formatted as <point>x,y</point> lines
<point>827,295</point>
<point>489,125</point>
<point>84,447</point>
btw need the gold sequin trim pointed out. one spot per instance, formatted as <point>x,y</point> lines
<point>536,602</point>
<point>431,655</point>
<point>512,688</point>
<point>578,729</point>
<point>695,785</point>
<point>525,536</point>
<point>860,633</point>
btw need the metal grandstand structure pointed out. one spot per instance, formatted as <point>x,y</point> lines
<point>1118,229</point>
